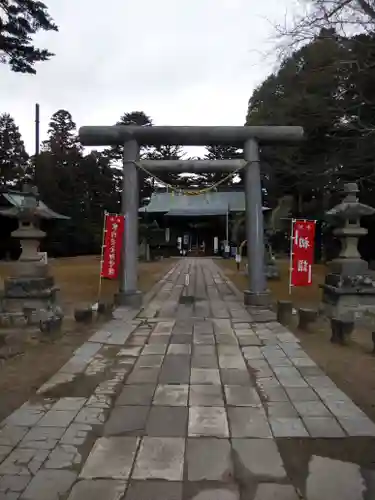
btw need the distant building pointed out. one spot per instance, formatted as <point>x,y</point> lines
<point>199,218</point>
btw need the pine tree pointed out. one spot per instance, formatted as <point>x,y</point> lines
<point>133,118</point>
<point>58,176</point>
<point>221,153</point>
<point>100,184</point>
<point>62,134</point>
<point>57,168</point>
<point>100,190</point>
<point>13,156</point>
<point>167,152</point>
<point>20,20</point>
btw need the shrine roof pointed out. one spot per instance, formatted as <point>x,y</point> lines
<point>16,200</point>
<point>212,203</point>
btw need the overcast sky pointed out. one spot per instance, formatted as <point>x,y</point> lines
<point>183,62</point>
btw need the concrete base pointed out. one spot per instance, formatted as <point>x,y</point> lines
<point>256,299</point>
<point>132,299</point>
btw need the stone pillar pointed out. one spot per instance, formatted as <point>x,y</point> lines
<point>29,263</point>
<point>129,293</point>
<point>257,294</point>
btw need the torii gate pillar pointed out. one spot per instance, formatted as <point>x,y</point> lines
<point>128,290</point>
<point>257,293</point>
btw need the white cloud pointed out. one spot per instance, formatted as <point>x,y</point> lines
<point>183,62</point>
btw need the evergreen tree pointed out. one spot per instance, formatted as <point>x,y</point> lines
<point>62,134</point>
<point>218,152</point>
<point>138,118</point>
<point>59,178</point>
<point>306,91</point>
<point>133,118</point>
<point>335,104</point>
<point>148,183</point>
<point>222,153</point>
<point>167,152</point>
<point>100,186</point>
<point>60,160</point>
<point>13,156</point>
<point>100,191</point>
<point>20,20</point>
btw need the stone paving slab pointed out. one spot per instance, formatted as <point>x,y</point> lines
<point>49,485</point>
<point>97,490</point>
<point>189,402</point>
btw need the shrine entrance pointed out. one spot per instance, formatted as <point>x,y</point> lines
<point>248,138</point>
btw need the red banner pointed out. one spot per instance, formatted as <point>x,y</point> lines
<point>113,238</point>
<point>302,252</point>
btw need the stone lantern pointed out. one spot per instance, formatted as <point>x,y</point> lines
<point>30,287</point>
<point>349,287</point>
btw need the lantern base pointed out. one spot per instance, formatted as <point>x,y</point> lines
<point>29,292</point>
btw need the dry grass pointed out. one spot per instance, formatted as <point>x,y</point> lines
<point>78,278</point>
<point>301,297</point>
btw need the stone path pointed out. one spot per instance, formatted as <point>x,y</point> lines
<point>185,399</point>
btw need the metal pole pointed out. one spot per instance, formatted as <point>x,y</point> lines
<point>291,255</point>
<point>101,256</point>
<point>37,143</point>
<point>37,127</point>
<point>227,227</point>
<point>257,294</point>
<point>128,293</point>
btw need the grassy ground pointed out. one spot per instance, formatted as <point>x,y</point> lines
<point>352,367</point>
<point>28,359</point>
<point>301,297</point>
<point>78,279</point>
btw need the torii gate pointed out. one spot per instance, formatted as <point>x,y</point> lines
<point>248,138</point>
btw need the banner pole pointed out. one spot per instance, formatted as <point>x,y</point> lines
<point>227,225</point>
<point>291,256</point>
<point>101,256</point>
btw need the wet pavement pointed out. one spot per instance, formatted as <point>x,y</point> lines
<point>192,397</point>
